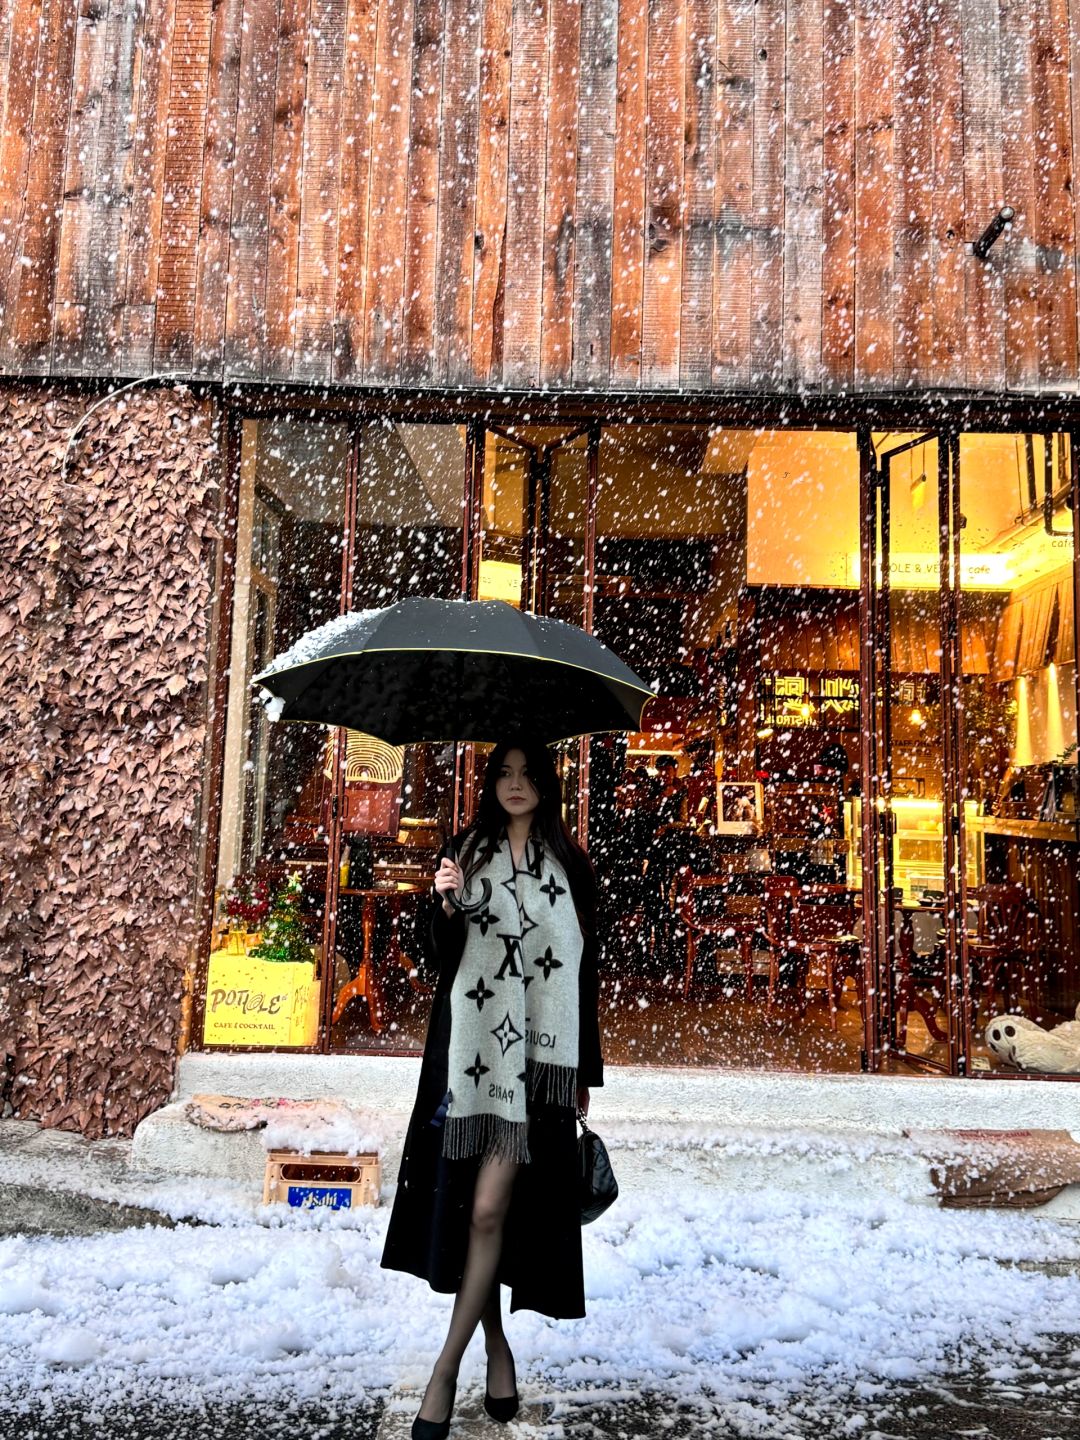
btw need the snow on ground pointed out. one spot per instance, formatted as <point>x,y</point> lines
<point>766,1304</point>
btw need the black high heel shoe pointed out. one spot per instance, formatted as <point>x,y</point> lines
<point>433,1429</point>
<point>503,1408</point>
<point>430,1429</point>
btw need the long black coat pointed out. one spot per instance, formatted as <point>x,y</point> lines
<point>429,1227</point>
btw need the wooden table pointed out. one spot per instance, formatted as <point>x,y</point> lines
<point>367,981</point>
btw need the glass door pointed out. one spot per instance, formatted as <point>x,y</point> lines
<point>392,805</point>
<point>915,829</point>
<point>276,861</point>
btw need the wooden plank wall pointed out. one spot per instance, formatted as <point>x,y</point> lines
<point>717,195</point>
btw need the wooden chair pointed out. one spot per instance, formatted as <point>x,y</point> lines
<point>370,980</point>
<point>920,983</point>
<point>1003,949</point>
<point>823,927</point>
<point>749,909</point>
<point>710,905</point>
<point>781,894</point>
<point>675,857</point>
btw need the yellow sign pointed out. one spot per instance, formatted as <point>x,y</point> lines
<point>499,580</point>
<point>786,701</point>
<point>923,572</point>
<point>800,701</point>
<point>259,1002</point>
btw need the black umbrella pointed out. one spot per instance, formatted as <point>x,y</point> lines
<point>454,670</point>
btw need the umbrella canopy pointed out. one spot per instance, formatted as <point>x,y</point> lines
<point>447,670</point>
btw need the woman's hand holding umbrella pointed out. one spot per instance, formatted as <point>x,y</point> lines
<point>449,881</point>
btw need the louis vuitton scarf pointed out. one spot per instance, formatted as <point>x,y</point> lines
<point>513,1005</point>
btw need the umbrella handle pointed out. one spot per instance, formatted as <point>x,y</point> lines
<point>467,908</point>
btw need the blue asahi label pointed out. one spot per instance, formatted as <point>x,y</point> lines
<point>308,1197</point>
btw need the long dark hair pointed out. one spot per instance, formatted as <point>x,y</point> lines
<point>558,840</point>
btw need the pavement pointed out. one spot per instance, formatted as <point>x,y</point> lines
<point>959,1407</point>
<point>57,1184</point>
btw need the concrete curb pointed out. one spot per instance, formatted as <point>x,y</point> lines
<point>739,1131</point>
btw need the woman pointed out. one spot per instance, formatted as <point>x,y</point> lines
<point>487,1191</point>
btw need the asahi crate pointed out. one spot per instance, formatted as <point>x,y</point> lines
<point>325,1180</point>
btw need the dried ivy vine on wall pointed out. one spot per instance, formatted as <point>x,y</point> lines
<point>105,580</point>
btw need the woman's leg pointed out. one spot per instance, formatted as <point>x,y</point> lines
<point>501,1379</point>
<point>491,1201</point>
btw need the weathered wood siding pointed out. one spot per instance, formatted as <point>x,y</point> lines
<point>616,194</point>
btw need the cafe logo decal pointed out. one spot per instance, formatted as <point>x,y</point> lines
<point>791,702</point>
<point>248,1002</point>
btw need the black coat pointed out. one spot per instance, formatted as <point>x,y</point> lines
<point>429,1226</point>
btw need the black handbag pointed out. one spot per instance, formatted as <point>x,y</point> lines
<point>598,1186</point>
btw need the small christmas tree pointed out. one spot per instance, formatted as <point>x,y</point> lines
<point>283,938</point>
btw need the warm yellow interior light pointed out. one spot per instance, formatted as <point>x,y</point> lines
<point>918,492</point>
<point>916,717</point>
<point>1022,750</point>
<point>1055,720</point>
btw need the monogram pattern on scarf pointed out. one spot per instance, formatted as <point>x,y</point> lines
<point>513,1006</point>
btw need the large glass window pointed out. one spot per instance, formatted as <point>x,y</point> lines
<point>739,923</point>
<point>395,804</point>
<point>532,549</point>
<point>327,839</point>
<point>723,832</point>
<point>1018,741</point>
<point>275,814</point>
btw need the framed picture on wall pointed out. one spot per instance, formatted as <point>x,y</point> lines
<point>738,807</point>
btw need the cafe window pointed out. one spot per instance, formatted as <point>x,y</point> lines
<point>326,838</point>
<point>1018,735</point>
<point>799,601</point>
<point>717,582</point>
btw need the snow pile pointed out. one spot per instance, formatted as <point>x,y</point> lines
<point>339,1129</point>
<point>740,1306</point>
<point>314,644</point>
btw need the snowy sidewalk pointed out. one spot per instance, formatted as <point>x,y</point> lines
<point>750,1314</point>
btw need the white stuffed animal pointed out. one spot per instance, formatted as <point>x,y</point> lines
<point>1019,1041</point>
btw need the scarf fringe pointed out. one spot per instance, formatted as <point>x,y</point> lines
<point>486,1135</point>
<point>551,1084</point>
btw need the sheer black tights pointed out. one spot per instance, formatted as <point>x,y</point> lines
<point>477,1301</point>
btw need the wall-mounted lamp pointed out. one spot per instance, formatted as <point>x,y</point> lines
<point>916,718</point>
<point>981,247</point>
